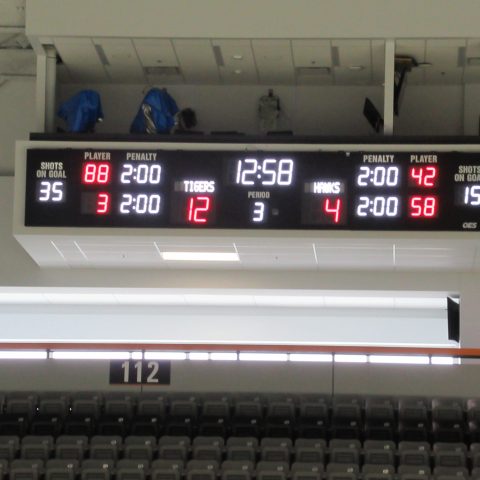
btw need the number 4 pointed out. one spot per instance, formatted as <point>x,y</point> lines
<point>333,209</point>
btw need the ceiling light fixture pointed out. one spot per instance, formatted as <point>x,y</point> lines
<point>201,256</point>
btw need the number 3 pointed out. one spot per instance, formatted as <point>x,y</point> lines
<point>258,212</point>
<point>103,203</point>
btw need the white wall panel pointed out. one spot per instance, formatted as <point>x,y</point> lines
<point>197,60</point>
<point>81,59</point>
<point>312,53</point>
<point>123,63</point>
<point>239,64</point>
<point>274,61</point>
<point>155,52</point>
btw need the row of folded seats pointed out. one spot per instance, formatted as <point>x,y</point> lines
<point>210,470</point>
<point>214,449</point>
<point>442,420</point>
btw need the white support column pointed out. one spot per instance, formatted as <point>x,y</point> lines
<point>46,87</point>
<point>389,87</point>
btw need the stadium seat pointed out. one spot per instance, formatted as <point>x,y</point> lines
<point>237,470</point>
<point>272,470</point>
<point>336,471</point>
<point>242,448</point>
<point>105,447</point>
<point>71,447</point>
<point>140,447</point>
<point>166,470</point>
<point>9,447</point>
<point>21,469</point>
<point>202,470</point>
<point>207,448</point>
<point>96,469</point>
<point>173,447</point>
<point>307,471</point>
<point>378,472</point>
<point>56,469</point>
<point>36,447</point>
<point>275,449</point>
<point>310,450</point>
<point>127,469</point>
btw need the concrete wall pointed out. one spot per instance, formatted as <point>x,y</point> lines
<point>273,18</point>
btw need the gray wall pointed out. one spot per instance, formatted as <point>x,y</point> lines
<point>261,377</point>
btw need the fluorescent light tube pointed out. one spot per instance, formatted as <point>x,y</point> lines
<point>165,356</point>
<point>341,358</point>
<point>263,357</point>
<point>400,359</point>
<point>201,256</point>
<point>89,355</point>
<point>311,357</point>
<point>223,356</point>
<point>23,354</point>
<point>198,356</point>
<point>444,361</point>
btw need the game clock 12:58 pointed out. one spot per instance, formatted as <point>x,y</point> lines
<point>262,172</point>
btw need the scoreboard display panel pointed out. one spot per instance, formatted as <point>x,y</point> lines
<point>287,190</point>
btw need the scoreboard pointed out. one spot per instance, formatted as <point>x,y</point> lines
<point>287,190</point>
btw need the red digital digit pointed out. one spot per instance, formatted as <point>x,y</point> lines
<point>333,208</point>
<point>198,208</point>
<point>423,207</point>
<point>430,176</point>
<point>415,206</point>
<point>94,172</point>
<point>103,203</point>
<point>430,207</point>
<point>103,175</point>
<point>89,172</point>
<point>424,176</point>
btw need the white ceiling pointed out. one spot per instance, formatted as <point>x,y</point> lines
<point>245,61</point>
<point>260,61</point>
<point>318,251</point>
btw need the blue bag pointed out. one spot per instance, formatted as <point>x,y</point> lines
<point>156,113</point>
<point>82,111</point>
